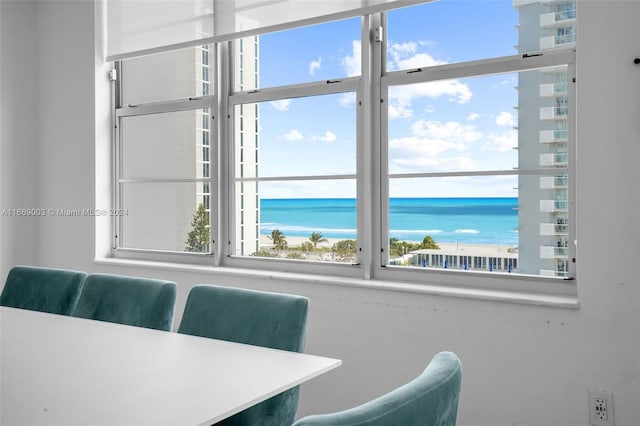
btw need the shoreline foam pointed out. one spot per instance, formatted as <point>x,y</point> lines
<point>462,248</point>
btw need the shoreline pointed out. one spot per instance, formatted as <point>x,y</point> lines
<point>467,248</point>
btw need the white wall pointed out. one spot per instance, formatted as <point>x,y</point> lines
<point>523,365</point>
<point>18,130</point>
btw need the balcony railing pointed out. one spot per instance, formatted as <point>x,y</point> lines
<point>554,206</point>
<point>553,182</point>
<point>553,89</point>
<point>553,229</point>
<point>555,41</point>
<point>553,113</point>
<point>553,136</point>
<point>550,252</point>
<point>554,160</point>
<point>551,19</point>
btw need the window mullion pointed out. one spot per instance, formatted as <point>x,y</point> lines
<point>382,178</point>
<point>501,65</point>
<point>116,96</point>
<point>224,157</point>
<point>373,152</point>
<point>296,91</point>
<point>571,149</point>
<point>168,106</point>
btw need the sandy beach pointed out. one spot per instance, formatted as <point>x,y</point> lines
<point>469,249</point>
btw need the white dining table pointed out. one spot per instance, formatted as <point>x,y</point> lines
<point>59,370</point>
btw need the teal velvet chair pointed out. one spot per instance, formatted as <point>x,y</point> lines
<point>126,300</point>
<point>43,289</point>
<point>254,317</point>
<point>431,399</point>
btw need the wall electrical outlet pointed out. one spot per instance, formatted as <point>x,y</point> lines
<point>600,408</point>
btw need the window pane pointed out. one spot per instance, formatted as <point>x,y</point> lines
<point>301,137</point>
<point>313,53</point>
<point>484,123</point>
<point>296,222</point>
<point>465,124</point>
<point>297,137</point>
<point>172,75</point>
<point>165,216</point>
<point>166,145</point>
<point>449,31</point>
<point>472,220</point>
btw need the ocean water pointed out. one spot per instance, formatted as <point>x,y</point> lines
<point>454,220</point>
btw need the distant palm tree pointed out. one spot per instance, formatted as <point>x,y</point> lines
<point>429,243</point>
<point>278,239</point>
<point>315,238</point>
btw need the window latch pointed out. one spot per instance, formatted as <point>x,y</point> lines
<point>113,75</point>
<point>378,34</point>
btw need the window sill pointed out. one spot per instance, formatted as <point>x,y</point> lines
<point>524,298</point>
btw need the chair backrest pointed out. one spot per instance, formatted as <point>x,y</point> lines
<point>254,317</point>
<point>43,289</point>
<point>429,399</point>
<point>126,300</point>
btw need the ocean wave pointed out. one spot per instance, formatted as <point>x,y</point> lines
<point>416,231</point>
<point>307,229</point>
<point>466,231</point>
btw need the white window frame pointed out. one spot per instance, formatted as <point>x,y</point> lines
<point>479,68</point>
<point>371,89</point>
<point>299,90</point>
<point>122,112</point>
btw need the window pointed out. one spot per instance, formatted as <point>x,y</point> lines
<point>482,159</point>
<point>295,146</point>
<point>164,149</point>
<point>404,145</point>
<point>467,176</point>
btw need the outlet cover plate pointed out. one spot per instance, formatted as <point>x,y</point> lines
<point>600,408</point>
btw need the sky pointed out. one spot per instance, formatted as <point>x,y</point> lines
<point>454,125</point>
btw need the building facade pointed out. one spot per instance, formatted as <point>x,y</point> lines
<point>543,126</point>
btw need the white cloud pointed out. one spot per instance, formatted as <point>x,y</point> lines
<point>417,61</point>
<point>448,163</point>
<point>347,99</point>
<point>406,56</point>
<point>400,109</point>
<point>446,131</point>
<point>351,63</point>
<point>281,105</point>
<point>328,137</point>
<point>501,142</point>
<point>473,116</point>
<point>293,135</point>
<point>434,145</point>
<point>412,148</point>
<point>401,97</point>
<point>315,65</point>
<point>400,49</point>
<point>506,119</point>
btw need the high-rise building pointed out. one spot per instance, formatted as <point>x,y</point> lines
<point>167,156</point>
<point>246,133</point>
<point>543,138</point>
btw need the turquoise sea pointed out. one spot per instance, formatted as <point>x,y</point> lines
<point>455,220</point>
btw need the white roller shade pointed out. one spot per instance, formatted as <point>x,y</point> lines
<point>136,27</point>
<point>237,18</point>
